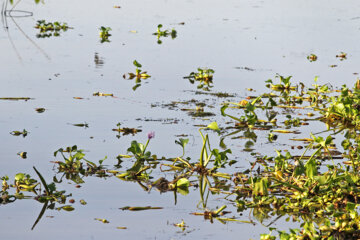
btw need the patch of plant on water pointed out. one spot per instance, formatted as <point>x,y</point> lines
<point>138,75</point>
<point>204,77</point>
<point>104,34</point>
<point>197,110</point>
<point>49,29</point>
<point>125,130</point>
<point>164,33</point>
<point>74,165</point>
<point>318,190</point>
<point>26,187</point>
<point>312,57</point>
<point>22,133</point>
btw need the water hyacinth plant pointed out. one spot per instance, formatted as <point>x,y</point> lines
<point>104,34</point>
<point>204,77</point>
<point>315,184</point>
<point>48,29</point>
<point>164,33</point>
<point>138,75</point>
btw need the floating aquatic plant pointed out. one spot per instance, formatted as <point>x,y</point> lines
<point>48,29</point>
<point>204,76</point>
<point>138,75</point>
<point>164,33</point>
<point>104,34</point>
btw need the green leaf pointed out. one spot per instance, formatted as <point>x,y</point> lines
<point>183,183</point>
<point>182,142</point>
<point>350,206</point>
<point>261,187</point>
<point>213,126</point>
<point>68,208</point>
<point>328,140</point>
<point>19,177</point>
<point>43,182</point>
<point>223,108</point>
<point>102,160</point>
<point>311,168</point>
<point>137,64</point>
<point>182,186</point>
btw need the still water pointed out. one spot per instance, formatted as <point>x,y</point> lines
<point>246,42</point>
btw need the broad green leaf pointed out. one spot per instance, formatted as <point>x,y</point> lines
<point>182,142</point>
<point>311,168</point>
<point>183,186</point>
<point>213,126</point>
<point>137,64</point>
<point>261,187</point>
<point>19,176</point>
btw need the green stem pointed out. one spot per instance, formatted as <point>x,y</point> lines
<point>147,143</point>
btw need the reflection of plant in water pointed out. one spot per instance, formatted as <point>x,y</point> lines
<point>125,130</point>
<point>321,196</point>
<point>204,76</point>
<point>48,29</point>
<point>36,1</point>
<point>159,33</point>
<point>138,75</point>
<point>104,34</point>
<point>43,192</point>
<point>75,166</point>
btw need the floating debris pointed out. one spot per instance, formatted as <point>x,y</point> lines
<point>140,208</point>
<point>99,94</point>
<point>40,110</point>
<point>103,220</point>
<point>16,98</point>
<point>23,155</point>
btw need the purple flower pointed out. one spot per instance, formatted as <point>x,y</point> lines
<point>151,135</point>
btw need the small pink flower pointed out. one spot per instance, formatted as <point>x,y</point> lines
<point>151,135</point>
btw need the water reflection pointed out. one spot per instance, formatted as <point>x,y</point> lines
<point>99,61</point>
<point>11,13</point>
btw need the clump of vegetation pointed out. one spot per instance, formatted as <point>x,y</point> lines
<point>342,56</point>
<point>48,29</point>
<point>138,75</point>
<point>125,130</point>
<point>104,34</point>
<point>319,190</point>
<point>23,133</point>
<point>74,165</point>
<point>204,76</point>
<point>312,57</point>
<point>164,33</point>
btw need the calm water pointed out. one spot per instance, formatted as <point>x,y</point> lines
<point>245,42</point>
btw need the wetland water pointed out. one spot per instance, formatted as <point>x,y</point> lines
<point>244,42</point>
